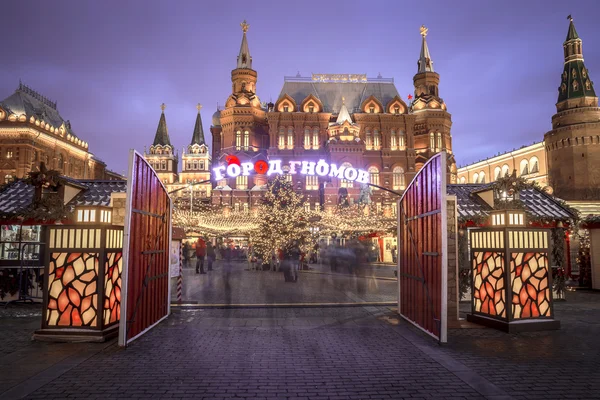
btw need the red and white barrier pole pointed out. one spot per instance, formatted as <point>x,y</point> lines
<point>180,277</point>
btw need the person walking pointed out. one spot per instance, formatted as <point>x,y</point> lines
<point>200,254</point>
<point>210,255</point>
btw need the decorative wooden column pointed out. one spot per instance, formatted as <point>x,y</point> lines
<point>82,279</point>
<point>512,279</point>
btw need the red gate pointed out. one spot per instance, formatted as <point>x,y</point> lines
<point>422,258</point>
<point>145,251</point>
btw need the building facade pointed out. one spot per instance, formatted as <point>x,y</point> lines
<point>195,163</point>
<point>33,131</point>
<point>348,120</point>
<point>566,162</point>
<point>529,162</point>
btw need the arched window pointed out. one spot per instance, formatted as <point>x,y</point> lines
<point>534,165</point>
<point>393,140</point>
<point>368,141</point>
<point>344,182</point>
<point>475,178</point>
<point>432,141</point>
<point>290,138</point>
<point>241,182</point>
<point>462,179</point>
<point>401,141</point>
<point>246,140</point>
<point>307,140</point>
<point>505,170</point>
<point>482,177</point>
<point>376,140</point>
<point>524,167</point>
<point>374,176</point>
<point>163,165</point>
<point>238,140</point>
<point>398,178</point>
<point>61,161</point>
<point>8,178</point>
<point>497,172</point>
<point>439,142</point>
<point>315,138</point>
<point>281,139</point>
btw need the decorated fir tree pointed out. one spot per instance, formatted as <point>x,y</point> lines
<point>283,220</point>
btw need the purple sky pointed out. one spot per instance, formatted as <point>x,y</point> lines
<point>111,64</point>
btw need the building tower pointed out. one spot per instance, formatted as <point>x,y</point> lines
<point>161,156</point>
<point>572,144</point>
<point>243,129</point>
<point>433,122</point>
<point>196,161</point>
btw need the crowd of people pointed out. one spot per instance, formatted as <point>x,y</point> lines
<point>348,258</point>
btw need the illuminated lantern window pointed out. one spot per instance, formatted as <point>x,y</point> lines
<point>512,281</point>
<point>86,215</point>
<point>508,218</point>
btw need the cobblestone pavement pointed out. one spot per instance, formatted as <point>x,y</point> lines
<point>542,365</point>
<point>313,353</point>
<point>317,285</point>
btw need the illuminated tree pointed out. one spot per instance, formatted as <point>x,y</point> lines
<point>283,219</point>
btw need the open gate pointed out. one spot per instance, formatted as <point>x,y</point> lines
<point>145,298</point>
<point>422,255</point>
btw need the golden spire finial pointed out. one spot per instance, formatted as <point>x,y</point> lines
<point>162,107</point>
<point>199,107</point>
<point>245,26</point>
<point>343,100</point>
<point>423,30</point>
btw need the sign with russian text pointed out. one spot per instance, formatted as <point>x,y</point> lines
<point>274,167</point>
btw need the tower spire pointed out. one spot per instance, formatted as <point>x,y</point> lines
<point>575,79</point>
<point>244,59</point>
<point>198,135</point>
<point>343,115</point>
<point>425,62</point>
<point>162,134</point>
